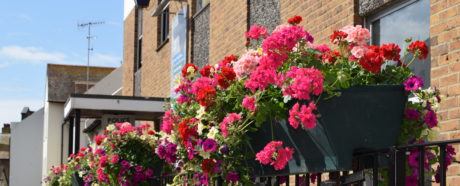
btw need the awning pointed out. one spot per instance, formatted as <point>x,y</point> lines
<point>94,106</point>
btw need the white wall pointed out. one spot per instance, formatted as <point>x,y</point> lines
<point>53,119</point>
<point>129,5</point>
<point>26,151</point>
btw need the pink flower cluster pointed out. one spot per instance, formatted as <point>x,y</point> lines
<point>356,34</point>
<point>302,115</point>
<point>249,103</point>
<point>306,81</point>
<point>256,32</point>
<point>246,64</point>
<point>274,154</point>
<point>231,118</point>
<point>168,122</point>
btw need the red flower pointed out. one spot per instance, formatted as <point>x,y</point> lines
<point>419,48</point>
<point>98,139</point>
<point>374,48</point>
<point>295,20</point>
<point>331,56</point>
<point>390,51</point>
<point>227,60</point>
<point>338,36</point>
<point>206,71</point>
<point>186,130</point>
<point>208,166</point>
<point>150,132</point>
<point>225,79</point>
<point>206,95</point>
<point>371,61</point>
<point>185,70</point>
<point>231,58</point>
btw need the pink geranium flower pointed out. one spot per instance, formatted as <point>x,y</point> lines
<point>231,118</point>
<point>256,32</point>
<point>356,34</point>
<point>275,154</point>
<point>246,64</point>
<point>249,103</point>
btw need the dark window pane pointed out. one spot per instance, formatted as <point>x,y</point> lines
<point>410,21</point>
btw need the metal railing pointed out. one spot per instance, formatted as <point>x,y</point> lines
<point>396,160</point>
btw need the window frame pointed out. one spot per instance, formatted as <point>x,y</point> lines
<point>163,27</point>
<point>139,36</point>
<point>368,20</point>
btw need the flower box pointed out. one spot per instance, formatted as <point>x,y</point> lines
<point>362,118</point>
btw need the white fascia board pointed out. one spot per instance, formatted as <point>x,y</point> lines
<point>113,104</point>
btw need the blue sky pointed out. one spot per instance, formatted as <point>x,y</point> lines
<point>34,33</point>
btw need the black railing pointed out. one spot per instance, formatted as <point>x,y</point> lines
<point>395,156</point>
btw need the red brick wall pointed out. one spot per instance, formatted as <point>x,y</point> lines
<point>445,64</point>
<point>321,18</point>
<point>128,54</point>
<point>228,23</point>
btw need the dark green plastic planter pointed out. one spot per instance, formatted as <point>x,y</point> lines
<point>362,118</point>
<point>77,180</point>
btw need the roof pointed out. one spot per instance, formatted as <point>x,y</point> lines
<point>94,106</point>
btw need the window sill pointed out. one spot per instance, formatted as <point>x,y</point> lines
<point>162,44</point>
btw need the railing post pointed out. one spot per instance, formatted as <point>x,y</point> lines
<point>400,167</point>
<point>421,166</point>
<point>297,181</point>
<point>375,170</point>
<point>318,178</point>
<point>442,162</point>
<point>307,179</point>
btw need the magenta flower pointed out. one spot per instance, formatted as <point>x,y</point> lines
<point>304,116</point>
<point>249,103</point>
<point>411,180</point>
<point>210,145</point>
<point>431,119</point>
<point>233,177</point>
<point>413,83</point>
<point>256,32</point>
<point>275,154</point>
<point>412,114</point>
<point>306,81</point>
<point>231,118</point>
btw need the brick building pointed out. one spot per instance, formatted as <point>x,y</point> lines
<point>215,28</point>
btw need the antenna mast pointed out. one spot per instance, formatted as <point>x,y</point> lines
<point>89,37</point>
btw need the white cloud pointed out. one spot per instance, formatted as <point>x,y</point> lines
<point>10,110</point>
<point>32,54</point>
<point>99,59</point>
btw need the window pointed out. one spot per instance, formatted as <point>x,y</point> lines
<point>200,4</point>
<point>139,22</point>
<point>408,18</point>
<point>163,26</point>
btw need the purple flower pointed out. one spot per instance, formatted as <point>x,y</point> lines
<point>411,180</point>
<point>138,168</point>
<point>233,177</point>
<point>224,149</point>
<point>148,173</point>
<point>209,145</point>
<point>204,179</point>
<point>412,114</point>
<point>125,163</point>
<point>190,154</point>
<point>413,159</point>
<point>413,83</point>
<point>283,179</point>
<point>431,119</point>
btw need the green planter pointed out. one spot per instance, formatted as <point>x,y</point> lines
<point>77,180</point>
<point>362,118</point>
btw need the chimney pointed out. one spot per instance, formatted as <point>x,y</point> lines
<point>6,129</point>
<point>26,112</point>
